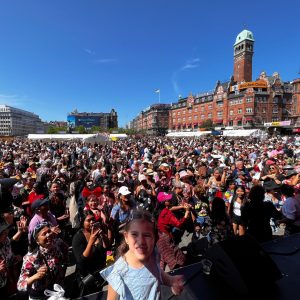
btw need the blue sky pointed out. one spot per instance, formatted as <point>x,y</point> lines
<point>59,55</point>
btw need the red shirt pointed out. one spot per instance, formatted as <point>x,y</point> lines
<point>167,220</point>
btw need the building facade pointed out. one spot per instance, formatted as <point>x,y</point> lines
<point>296,104</point>
<point>18,122</point>
<point>153,120</point>
<point>240,102</point>
<point>88,120</point>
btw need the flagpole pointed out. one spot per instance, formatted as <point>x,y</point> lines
<point>158,92</point>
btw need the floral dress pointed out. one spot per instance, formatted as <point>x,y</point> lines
<point>55,258</point>
<point>6,255</point>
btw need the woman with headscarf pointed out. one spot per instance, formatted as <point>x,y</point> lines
<point>45,263</point>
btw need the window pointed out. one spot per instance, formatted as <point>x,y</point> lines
<point>178,113</point>
<point>196,109</point>
<point>220,114</point>
<point>231,112</point>
<point>179,120</point>
<point>209,115</point>
<point>249,110</point>
<point>195,117</point>
<point>209,106</point>
<point>183,119</point>
<point>263,110</point>
<point>240,111</point>
<point>202,108</point>
<point>249,100</point>
<point>183,112</point>
<point>174,113</point>
<point>202,116</point>
<point>220,104</point>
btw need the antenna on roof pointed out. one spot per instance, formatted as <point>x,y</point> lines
<point>245,26</point>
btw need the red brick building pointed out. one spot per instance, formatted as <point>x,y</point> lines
<point>153,120</point>
<point>296,104</point>
<point>239,102</point>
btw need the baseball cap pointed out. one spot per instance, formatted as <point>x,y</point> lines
<point>123,190</point>
<point>183,174</point>
<point>290,173</point>
<point>162,197</point>
<point>142,177</point>
<point>38,203</point>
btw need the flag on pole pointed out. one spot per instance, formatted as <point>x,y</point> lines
<point>157,91</point>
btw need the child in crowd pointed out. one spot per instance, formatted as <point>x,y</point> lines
<point>136,274</point>
<point>228,195</point>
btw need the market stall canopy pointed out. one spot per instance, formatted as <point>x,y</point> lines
<point>188,133</point>
<point>87,138</point>
<point>116,136</point>
<point>242,133</point>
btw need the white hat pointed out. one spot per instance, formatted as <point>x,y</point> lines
<point>124,190</point>
<point>164,165</point>
<point>183,174</point>
<point>142,177</point>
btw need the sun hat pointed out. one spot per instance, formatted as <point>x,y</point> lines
<point>162,197</point>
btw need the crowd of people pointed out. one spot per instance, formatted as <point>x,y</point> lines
<point>121,207</point>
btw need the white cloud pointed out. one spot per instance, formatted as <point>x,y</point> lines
<point>106,60</point>
<point>190,64</point>
<point>12,100</point>
<point>89,51</point>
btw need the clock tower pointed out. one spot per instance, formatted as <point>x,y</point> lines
<point>243,52</point>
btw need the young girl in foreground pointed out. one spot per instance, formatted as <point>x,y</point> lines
<point>136,274</point>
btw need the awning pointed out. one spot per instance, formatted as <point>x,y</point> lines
<point>249,119</point>
<point>218,121</point>
<point>239,118</point>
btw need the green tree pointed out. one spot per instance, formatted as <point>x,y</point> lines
<point>95,129</point>
<point>207,124</point>
<point>52,130</point>
<point>80,129</point>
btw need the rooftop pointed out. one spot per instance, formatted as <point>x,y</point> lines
<point>244,35</point>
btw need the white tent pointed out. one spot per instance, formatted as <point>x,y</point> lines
<point>241,133</point>
<point>87,138</point>
<point>97,139</point>
<point>188,133</point>
<point>115,136</point>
